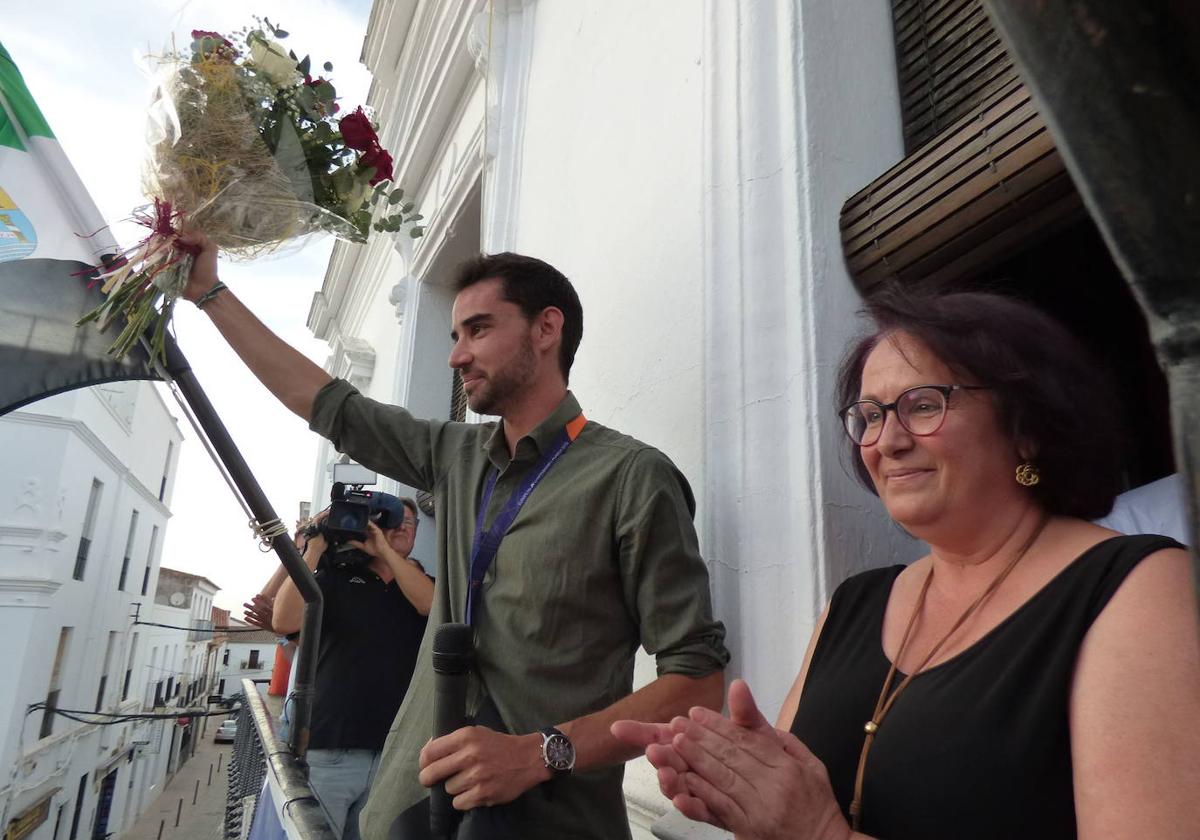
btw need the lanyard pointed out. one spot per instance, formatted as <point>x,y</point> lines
<point>487,543</point>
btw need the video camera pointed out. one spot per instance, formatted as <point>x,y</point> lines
<point>350,509</point>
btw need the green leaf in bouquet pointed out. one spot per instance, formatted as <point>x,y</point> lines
<point>328,65</point>
<point>396,197</point>
<point>307,100</point>
<point>416,218</point>
<point>408,208</point>
<point>325,92</point>
<point>281,33</point>
<point>417,232</point>
<point>305,66</point>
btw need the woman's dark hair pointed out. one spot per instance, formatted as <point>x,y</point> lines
<point>1049,394</point>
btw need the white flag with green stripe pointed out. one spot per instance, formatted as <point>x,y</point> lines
<point>51,233</point>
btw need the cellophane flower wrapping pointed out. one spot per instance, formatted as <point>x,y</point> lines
<point>246,146</point>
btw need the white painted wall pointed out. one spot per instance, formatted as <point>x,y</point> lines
<point>684,162</point>
<point>51,452</point>
<point>238,667</point>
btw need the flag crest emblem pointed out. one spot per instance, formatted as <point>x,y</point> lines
<point>18,239</point>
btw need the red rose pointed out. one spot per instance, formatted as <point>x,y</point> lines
<point>199,34</point>
<point>381,160</point>
<point>357,132</point>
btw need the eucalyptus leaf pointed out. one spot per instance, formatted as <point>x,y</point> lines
<point>281,33</point>
<point>396,197</point>
<point>408,208</point>
<point>305,65</point>
<point>417,232</point>
<point>328,65</point>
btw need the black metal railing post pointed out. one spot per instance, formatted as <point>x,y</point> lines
<point>1130,145</point>
<point>235,465</point>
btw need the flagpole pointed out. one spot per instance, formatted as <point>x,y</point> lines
<point>247,485</point>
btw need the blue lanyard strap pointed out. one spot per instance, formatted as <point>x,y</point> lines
<point>487,543</point>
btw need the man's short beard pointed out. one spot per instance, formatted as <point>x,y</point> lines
<point>506,383</point>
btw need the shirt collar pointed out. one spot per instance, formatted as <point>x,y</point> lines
<point>538,440</point>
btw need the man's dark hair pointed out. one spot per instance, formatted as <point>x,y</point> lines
<point>532,285</point>
<point>1049,394</point>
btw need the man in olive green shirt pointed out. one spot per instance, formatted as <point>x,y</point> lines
<point>601,558</point>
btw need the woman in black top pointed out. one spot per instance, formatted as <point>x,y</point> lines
<point>1055,688</point>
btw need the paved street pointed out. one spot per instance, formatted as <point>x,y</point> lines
<point>201,821</point>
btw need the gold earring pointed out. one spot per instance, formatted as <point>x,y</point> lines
<point>1028,475</point>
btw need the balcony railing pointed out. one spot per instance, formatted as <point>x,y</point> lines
<point>260,752</point>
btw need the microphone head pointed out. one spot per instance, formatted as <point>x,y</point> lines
<point>453,646</point>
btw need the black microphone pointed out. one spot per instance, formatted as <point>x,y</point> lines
<point>453,649</point>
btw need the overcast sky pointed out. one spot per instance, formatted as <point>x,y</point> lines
<point>80,61</point>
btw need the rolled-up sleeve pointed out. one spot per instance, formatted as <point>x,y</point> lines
<point>665,581</point>
<point>384,438</point>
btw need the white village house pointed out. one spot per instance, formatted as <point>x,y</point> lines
<point>85,495</point>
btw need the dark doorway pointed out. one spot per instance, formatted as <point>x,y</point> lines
<point>78,805</point>
<point>1071,275</point>
<point>104,806</point>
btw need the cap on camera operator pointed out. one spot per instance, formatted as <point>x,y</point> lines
<point>375,602</point>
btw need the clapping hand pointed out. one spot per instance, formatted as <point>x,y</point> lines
<point>740,773</point>
<point>259,611</point>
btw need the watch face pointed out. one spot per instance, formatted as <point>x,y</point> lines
<point>559,753</point>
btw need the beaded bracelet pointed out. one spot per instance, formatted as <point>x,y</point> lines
<point>210,294</point>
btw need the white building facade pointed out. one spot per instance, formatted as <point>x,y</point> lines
<point>683,163</point>
<point>180,670</point>
<point>247,653</point>
<point>85,494</point>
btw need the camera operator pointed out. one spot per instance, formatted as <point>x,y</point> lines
<point>375,602</point>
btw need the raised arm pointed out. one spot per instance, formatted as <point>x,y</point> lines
<point>289,603</point>
<point>286,373</point>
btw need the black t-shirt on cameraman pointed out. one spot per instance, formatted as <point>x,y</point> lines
<point>370,635</point>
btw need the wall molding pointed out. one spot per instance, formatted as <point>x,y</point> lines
<point>81,430</point>
<point>502,43</point>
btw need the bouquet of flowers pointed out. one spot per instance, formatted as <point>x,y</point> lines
<point>248,147</point>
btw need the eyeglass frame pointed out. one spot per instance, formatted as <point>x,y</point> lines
<point>944,390</point>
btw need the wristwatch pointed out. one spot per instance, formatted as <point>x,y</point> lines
<point>557,752</point>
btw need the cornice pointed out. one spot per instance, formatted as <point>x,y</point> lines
<point>417,97</point>
<point>85,434</point>
<point>32,592</point>
<point>462,176</point>
<point>326,306</point>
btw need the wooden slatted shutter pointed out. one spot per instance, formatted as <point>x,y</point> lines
<point>982,176</point>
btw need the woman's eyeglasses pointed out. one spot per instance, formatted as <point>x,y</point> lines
<point>920,410</point>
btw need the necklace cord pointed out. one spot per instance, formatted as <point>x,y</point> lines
<point>885,702</point>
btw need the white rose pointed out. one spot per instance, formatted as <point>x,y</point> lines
<point>359,197</point>
<point>272,60</point>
